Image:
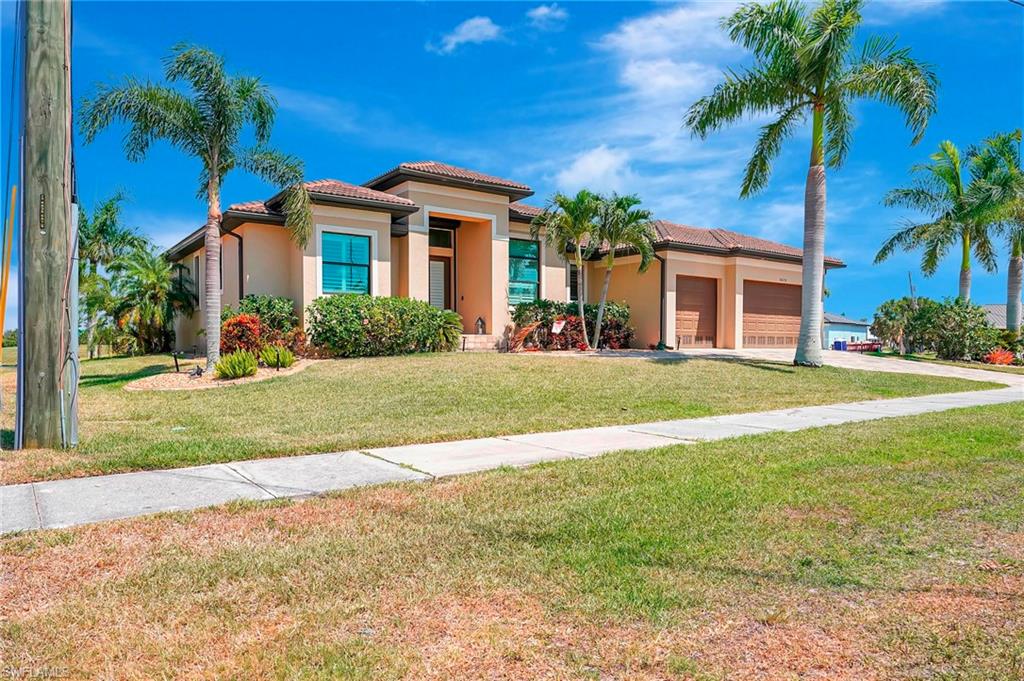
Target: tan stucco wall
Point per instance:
(628, 286)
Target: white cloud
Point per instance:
(679, 30)
(666, 79)
(323, 110)
(471, 31)
(547, 17)
(600, 169)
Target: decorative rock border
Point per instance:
(182, 380)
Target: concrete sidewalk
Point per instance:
(64, 503)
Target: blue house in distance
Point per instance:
(836, 327)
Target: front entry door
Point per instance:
(441, 282)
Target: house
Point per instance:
(836, 327)
(995, 315)
(460, 239)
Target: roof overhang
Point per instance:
(229, 221)
(665, 246)
(400, 175)
(397, 210)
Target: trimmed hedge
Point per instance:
(615, 329)
(358, 325)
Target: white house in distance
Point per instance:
(836, 327)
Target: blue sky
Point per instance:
(557, 96)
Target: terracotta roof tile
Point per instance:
(725, 240)
(453, 172)
(355, 191)
(524, 211)
(252, 207)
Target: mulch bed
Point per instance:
(184, 381)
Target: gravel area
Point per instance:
(183, 381)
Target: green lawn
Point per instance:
(930, 357)
(345, 404)
(888, 549)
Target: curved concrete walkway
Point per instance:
(63, 503)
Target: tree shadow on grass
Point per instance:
(763, 365)
(95, 380)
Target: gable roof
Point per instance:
(722, 241)
(996, 315)
(331, 192)
(831, 318)
(443, 173)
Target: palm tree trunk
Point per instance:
(965, 270)
(808, 349)
(1014, 277)
(212, 278)
(579, 295)
(600, 306)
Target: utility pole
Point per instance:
(45, 267)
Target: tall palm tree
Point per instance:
(568, 225)
(102, 239)
(150, 291)
(1005, 186)
(207, 124)
(958, 212)
(805, 65)
(621, 226)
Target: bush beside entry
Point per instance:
(357, 325)
(616, 332)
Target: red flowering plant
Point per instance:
(241, 332)
(999, 356)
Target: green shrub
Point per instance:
(961, 331)
(11, 338)
(615, 329)
(276, 312)
(276, 356)
(236, 365)
(356, 325)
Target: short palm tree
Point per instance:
(150, 290)
(621, 227)
(102, 239)
(568, 225)
(805, 65)
(208, 125)
(959, 212)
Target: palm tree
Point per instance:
(150, 291)
(805, 65)
(102, 239)
(1005, 187)
(621, 226)
(959, 213)
(208, 125)
(568, 225)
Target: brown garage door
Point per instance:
(696, 312)
(771, 314)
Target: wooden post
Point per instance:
(45, 234)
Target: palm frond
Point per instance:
(742, 93)
(769, 143)
(894, 77)
(771, 31)
(838, 130)
(152, 112)
(285, 171)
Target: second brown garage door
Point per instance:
(696, 312)
(771, 314)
